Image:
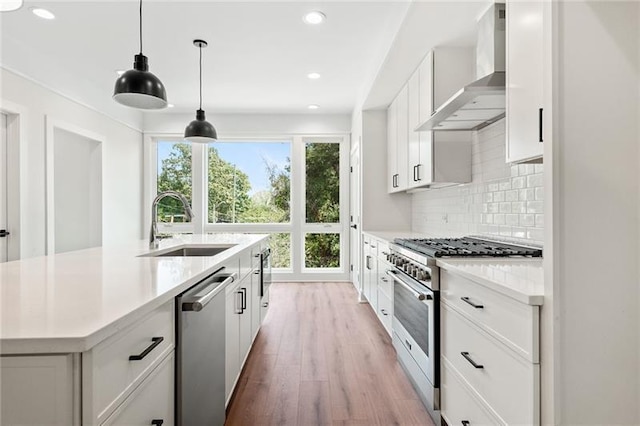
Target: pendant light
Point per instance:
(138, 88)
(200, 130)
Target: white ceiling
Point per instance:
(258, 56)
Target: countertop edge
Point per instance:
(529, 299)
(74, 344)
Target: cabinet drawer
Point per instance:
(383, 249)
(385, 283)
(114, 374)
(373, 247)
(410, 345)
(255, 254)
(507, 382)
(385, 310)
(515, 324)
(458, 404)
(152, 400)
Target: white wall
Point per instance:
(501, 201)
(252, 124)
(122, 153)
(596, 205)
(78, 191)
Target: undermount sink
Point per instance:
(191, 251)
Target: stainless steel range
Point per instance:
(416, 308)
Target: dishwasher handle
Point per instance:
(198, 304)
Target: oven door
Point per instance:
(415, 310)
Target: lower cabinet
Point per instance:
(38, 390)
(243, 317)
(377, 288)
(151, 403)
(490, 355)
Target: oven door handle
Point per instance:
(421, 296)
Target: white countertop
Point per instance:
(69, 302)
(521, 279)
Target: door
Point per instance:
(354, 212)
(3, 188)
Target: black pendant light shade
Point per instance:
(200, 130)
(138, 88)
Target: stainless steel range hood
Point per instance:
(482, 102)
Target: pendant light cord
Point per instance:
(141, 27)
(200, 75)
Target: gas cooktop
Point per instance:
(465, 247)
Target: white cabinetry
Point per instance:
(242, 320)
(490, 355)
(377, 287)
(369, 250)
(397, 141)
(525, 67)
(438, 158)
(152, 403)
(38, 390)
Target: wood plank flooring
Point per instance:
(321, 358)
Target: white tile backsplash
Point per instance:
(501, 201)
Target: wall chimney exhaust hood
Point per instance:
(482, 102)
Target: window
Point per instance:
(249, 182)
(288, 187)
(322, 245)
(173, 173)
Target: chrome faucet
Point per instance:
(153, 238)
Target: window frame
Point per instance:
(297, 226)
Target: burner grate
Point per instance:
(465, 247)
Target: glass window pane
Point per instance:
(174, 173)
(249, 182)
(322, 166)
(280, 245)
(322, 251)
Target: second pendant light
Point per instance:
(200, 130)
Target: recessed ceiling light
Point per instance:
(120, 72)
(170, 105)
(313, 76)
(42, 13)
(313, 107)
(314, 18)
(9, 5)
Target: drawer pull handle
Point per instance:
(156, 341)
(408, 344)
(472, 362)
(466, 300)
(384, 312)
(465, 422)
(157, 422)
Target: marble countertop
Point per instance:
(521, 279)
(69, 302)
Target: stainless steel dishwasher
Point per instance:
(200, 352)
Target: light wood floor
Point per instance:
(321, 358)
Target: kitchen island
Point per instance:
(72, 325)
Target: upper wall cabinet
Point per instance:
(434, 158)
(397, 141)
(525, 92)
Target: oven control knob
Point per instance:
(416, 273)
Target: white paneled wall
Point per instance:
(501, 201)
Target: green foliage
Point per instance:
(322, 251)
(230, 202)
(175, 175)
(228, 190)
(323, 182)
